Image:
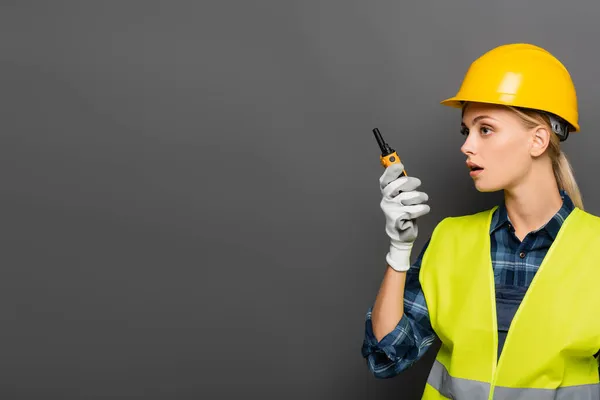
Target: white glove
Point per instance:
(401, 204)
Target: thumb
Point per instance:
(390, 174)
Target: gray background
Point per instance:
(190, 202)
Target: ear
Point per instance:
(540, 139)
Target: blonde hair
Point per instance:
(563, 172)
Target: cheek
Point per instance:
(508, 158)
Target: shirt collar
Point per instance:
(500, 217)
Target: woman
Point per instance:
(531, 263)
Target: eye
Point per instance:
(485, 130)
(464, 130)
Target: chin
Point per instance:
(484, 187)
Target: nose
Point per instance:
(468, 147)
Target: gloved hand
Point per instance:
(402, 205)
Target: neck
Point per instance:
(532, 203)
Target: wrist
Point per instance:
(398, 256)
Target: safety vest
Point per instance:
(550, 346)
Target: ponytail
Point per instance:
(566, 179)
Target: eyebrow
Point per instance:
(478, 118)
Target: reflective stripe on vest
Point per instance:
(458, 388)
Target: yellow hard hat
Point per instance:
(520, 75)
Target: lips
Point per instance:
(474, 167)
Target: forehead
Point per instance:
(473, 110)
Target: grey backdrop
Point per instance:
(190, 202)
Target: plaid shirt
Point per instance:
(514, 263)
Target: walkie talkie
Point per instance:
(388, 155)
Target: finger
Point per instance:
(402, 184)
(390, 174)
(412, 197)
(414, 211)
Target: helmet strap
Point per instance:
(559, 127)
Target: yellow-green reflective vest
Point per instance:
(550, 346)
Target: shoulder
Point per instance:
(583, 227)
(458, 226)
(482, 216)
(587, 214)
(586, 217)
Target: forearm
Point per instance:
(403, 332)
(389, 303)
